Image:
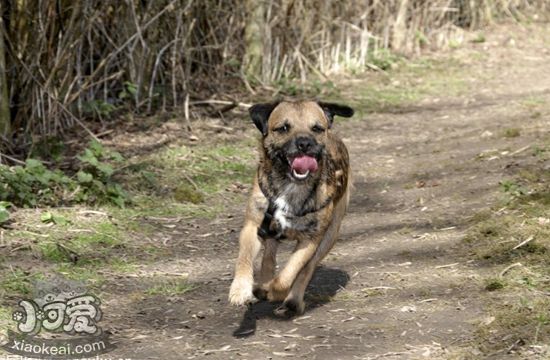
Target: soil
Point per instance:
(398, 284)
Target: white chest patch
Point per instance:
(282, 212)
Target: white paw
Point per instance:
(240, 292)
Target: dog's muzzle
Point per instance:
(302, 157)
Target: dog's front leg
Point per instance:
(240, 292)
(277, 289)
(310, 233)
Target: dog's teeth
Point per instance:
(300, 176)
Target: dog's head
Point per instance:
(295, 134)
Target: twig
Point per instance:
(154, 74)
(312, 67)
(12, 159)
(379, 288)
(519, 150)
(446, 266)
(186, 113)
(220, 102)
(188, 178)
(105, 60)
(388, 354)
(523, 242)
(508, 268)
(219, 127)
(226, 108)
(514, 345)
(53, 98)
(94, 212)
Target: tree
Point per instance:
(253, 38)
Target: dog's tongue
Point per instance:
(303, 164)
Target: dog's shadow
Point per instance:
(324, 284)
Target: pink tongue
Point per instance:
(303, 164)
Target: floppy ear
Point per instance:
(260, 114)
(331, 110)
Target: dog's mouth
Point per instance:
(302, 165)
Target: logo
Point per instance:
(67, 317)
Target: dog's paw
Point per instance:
(240, 292)
(260, 293)
(290, 308)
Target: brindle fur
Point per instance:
(308, 211)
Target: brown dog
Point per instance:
(300, 192)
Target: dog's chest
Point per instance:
(292, 202)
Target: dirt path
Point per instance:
(398, 285)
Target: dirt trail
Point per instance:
(398, 284)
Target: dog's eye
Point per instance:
(282, 129)
(318, 129)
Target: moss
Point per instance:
(511, 133)
(187, 193)
(494, 284)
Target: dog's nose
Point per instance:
(304, 143)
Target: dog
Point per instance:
(301, 192)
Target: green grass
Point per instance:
(123, 266)
(15, 282)
(190, 175)
(174, 182)
(533, 102)
(96, 241)
(171, 288)
(5, 320)
(87, 273)
(406, 84)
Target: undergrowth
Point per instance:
(34, 185)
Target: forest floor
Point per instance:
(450, 155)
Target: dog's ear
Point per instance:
(331, 110)
(260, 114)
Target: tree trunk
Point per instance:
(399, 38)
(253, 38)
(5, 120)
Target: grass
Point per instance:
(96, 241)
(171, 288)
(185, 181)
(533, 102)
(87, 273)
(408, 83)
(5, 321)
(522, 273)
(178, 181)
(16, 282)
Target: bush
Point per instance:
(35, 185)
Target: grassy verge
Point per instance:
(176, 183)
(396, 85)
(514, 241)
